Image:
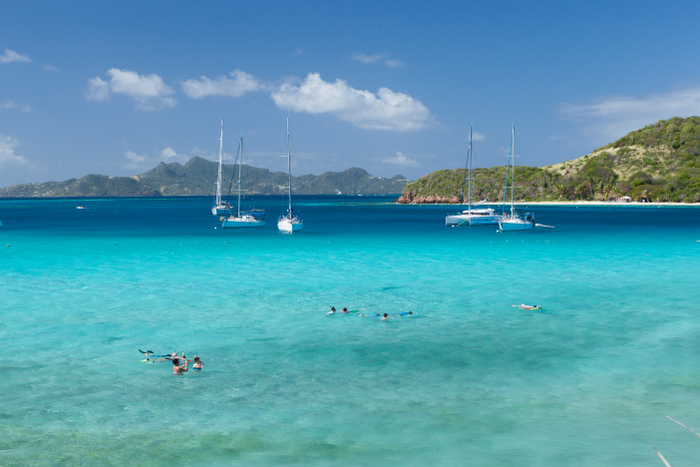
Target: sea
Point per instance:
(467, 379)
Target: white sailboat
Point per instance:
(251, 218)
(289, 222)
(220, 207)
(471, 216)
(516, 220)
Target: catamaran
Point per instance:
(471, 216)
(289, 222)
(251, 218)
(517, 220)
(220, 207)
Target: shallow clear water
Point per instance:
(466, 380)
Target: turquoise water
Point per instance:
(466, 380)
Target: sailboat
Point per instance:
(252, 218)
(220, 207)
(516, 220)
(471, 216)
(289, 222)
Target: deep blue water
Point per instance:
(466, 380)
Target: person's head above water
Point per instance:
(176, 361)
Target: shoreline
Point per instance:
(567, 203)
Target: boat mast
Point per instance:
(240, 162)
(289, 169)
(470, 167)
(505, 189)
(221, 152)
(512, 175)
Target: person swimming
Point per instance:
(385, 317)
(197, 365)
(345, 310)
(332, 311)
(404, 313)
(177, 369)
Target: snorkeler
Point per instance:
(332, 311)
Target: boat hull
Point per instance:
(515, 225)
(475, 217)
(287, 225)
(239, 223)
(221, 210)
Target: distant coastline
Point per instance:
(571, 203)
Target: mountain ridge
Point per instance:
(197, 178)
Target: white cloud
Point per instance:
(478, 136)
(9, 105)
(394, 63)
(135, 161)
(7, 153)
(148, 92)
(168, 155)
(612, 118)
(385, 110)
(11, 56)
(49, 67)
(368, 58)
(240, 84)
(401, 160)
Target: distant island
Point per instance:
(659, 163)
(197, 178)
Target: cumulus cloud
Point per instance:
(9, 105)
(147, 92)
(239, 84)
(610, 119)
(385, 110)
(401, 160)
(8, 155)
(11, 56)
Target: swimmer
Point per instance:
(345, 310)
(385, 317)
(177, 369)
(197, 363)
(404, 313)
(332, 311)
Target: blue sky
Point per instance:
(114, 88)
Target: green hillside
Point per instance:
(198, 177)
(660, 162)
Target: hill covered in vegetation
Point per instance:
(198, 177)
(659, 163)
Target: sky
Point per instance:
(115, 88)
